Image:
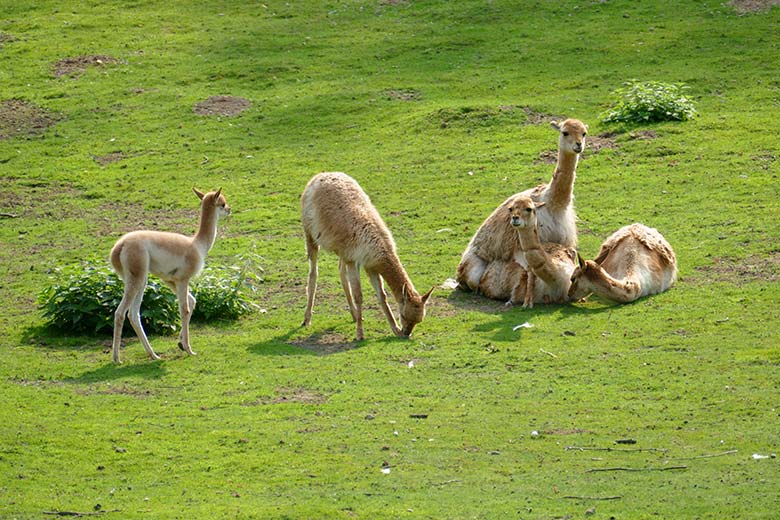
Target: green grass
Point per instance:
(274, 421)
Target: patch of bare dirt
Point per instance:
(114, 390)
(20, 118)
(739, 271)
(566, 431)
(537, 118)
(753, 6)
(112, 157)
(594, 144)
(765, 160)
(75, 66)
(6, 38)
(291, 395)
(403, 94)
(117, 218)
(547, 157)
(227, 106)
(325, 343)
(642, 135)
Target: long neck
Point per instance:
(603, 284)
(535, 256)
(561, 186)
(207, 230)
(395, 276)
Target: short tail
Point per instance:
(115, 259)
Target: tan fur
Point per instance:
(338, 216)
(633, 262)
(172, 257)
(496, 241)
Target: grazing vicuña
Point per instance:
(338, 216)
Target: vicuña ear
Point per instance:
(199, 193)
(580, 260)
(405, 294)
(539, 204)
(555, 125)
(427, 295)
(216, 196)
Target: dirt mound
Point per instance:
(538, 118)
(20, 118)
(753, 6)
(112, 157)
(750, 269)
(76, 65)
(227, 106)
(5, 38)
(403, 94)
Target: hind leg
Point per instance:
(131, 293)
(344, 275)
(353, 274)
(134, 314)
(312, 250)
(470, 271)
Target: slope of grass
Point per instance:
(434, 107)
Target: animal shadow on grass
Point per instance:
(322, 342)
(112, 371)
(507, 318)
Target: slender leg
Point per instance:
(520, 290)
(379, 287)
(353, 273)
(312, 250)
(343, 273)
(186, 305)
(528, 301)
(134, 290)
(135, 319)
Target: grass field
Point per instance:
(440, 110)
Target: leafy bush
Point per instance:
(649, 101)
(83, 298)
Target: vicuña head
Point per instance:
(572, 135)
(522, 212)
(581, 278)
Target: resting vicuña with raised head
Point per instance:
(338, 216)
(496, 240)
(172, 257)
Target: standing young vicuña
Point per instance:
(172, 257)
(496, 240)
(635, 261)
(338, 216)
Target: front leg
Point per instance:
(520, 289)
(528, 301)
(186, 306)
(376, 282)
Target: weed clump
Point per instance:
(83, 297)
(649, 102)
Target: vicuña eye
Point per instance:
(565, 134)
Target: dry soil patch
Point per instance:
(75, 66)
(21, 118)
(227, 106)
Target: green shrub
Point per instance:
(83, 297)
(649, 101)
